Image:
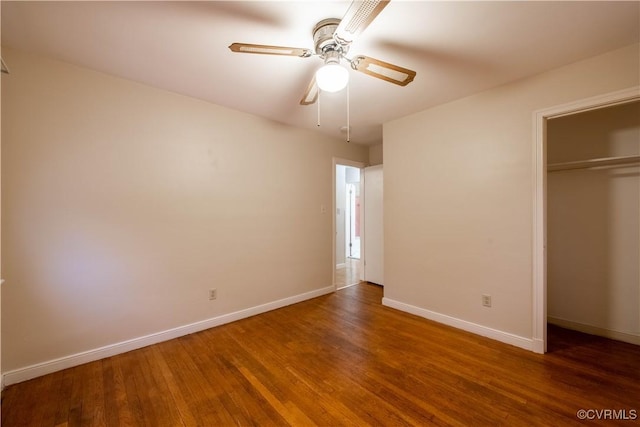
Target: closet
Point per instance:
(593, 222)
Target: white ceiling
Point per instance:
(457, 49)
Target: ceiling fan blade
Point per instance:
(358, 17)
(383, 70)
(270, 50)
(311, 94)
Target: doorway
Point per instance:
(352, 216)
(348, 202)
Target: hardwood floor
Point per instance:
(341, 359)
(349, 274)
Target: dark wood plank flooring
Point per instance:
(341, 359)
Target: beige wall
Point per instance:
(123, 204)
(1, 78)
(375, 155)
(593, 242)
(459, 195)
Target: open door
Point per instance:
(373, 226)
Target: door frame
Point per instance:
(344, 162)
(540, 117)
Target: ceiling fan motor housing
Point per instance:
(324, 42)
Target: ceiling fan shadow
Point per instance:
(436, 58)
(238, 11)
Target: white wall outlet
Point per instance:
(213, 293)
(486, 300)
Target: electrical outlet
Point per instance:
(213, 293)
(486, 300)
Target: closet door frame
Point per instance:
(540, 118)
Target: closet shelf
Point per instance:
(592, 163)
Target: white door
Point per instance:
(373, 226)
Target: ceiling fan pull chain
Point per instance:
(348, 117)
(319, 92)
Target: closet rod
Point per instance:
(585, 164)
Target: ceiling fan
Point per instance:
(332, 39)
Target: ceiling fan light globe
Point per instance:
(332, 78)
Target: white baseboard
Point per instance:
(44, 368)
(594, 330)
(538, 346)
(505, 337)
